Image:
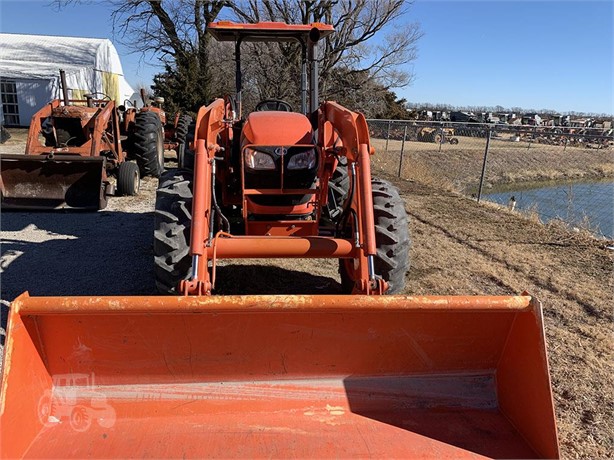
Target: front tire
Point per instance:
(391, 236)
(173, 224)
(128, 179)
(181, 134)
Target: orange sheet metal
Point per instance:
(268, 303)
(271, 246)
(276, 376)
(66, 181)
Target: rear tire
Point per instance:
(391, 236)
(173, 224)
(183, 124)
(128, 179)
(148, 144)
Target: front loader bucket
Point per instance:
(65, 181)
(276, 376)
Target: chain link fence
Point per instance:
(554, 172)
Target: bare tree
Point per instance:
(352, 46)
(371, 43)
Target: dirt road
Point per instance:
(459, 247)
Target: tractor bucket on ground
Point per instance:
(40, 182)
(277, 376)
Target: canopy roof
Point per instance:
(266, 31)
(41, 56)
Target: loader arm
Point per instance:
(353, 134)
(213, 127)
(210, 123)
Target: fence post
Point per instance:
(402, 150)
(532, 137)
(484, 165)
(388, 136)
(565, 141)
(441, 138)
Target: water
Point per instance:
(586, 204)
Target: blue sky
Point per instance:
(532, 54)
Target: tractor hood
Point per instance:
(277, 128)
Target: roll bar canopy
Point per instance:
(228, 31)
(307, 35)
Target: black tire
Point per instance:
(185, 156)
(454, 141)
(173, 224)
(128, 179)
(183, 124)
(392, 238)
(181, 133)
(181, 156)
(148, 144)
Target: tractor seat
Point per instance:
(273, 105)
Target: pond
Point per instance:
(580, 204)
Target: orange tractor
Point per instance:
(310, 376)
(73, 148)
(148, 134)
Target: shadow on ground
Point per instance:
(68, 253)
(267, 279)
(111, 253)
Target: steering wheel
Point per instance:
(273, 105)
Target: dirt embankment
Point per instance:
(459, 247)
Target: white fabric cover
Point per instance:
(40, 57)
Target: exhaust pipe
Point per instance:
(64, 87)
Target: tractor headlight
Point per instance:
(303, 160)
(255, 159)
